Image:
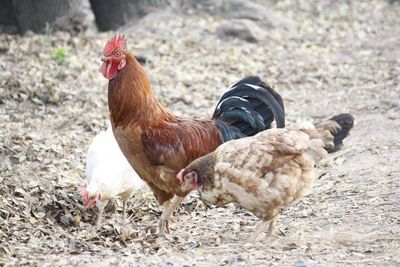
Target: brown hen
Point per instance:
(268, 171)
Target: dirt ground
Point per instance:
(334, 57)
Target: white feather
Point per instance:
(107, 170)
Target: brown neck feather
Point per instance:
(130, 97)
(204, 167)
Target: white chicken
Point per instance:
(108, 174)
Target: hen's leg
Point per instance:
(261, 228)
(272, 226)
(169, 208)
(124, 208)
(101, 204)
(125, 199)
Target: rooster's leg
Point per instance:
(169, 208)
(261, 228)
(163, 226)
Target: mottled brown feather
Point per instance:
(263, 173)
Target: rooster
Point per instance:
(266, 172)
(108, 174)
(157, 143)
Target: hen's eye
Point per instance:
(118, 54)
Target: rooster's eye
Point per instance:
(118, 54)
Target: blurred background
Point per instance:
(74, 16)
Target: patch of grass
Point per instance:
(60, 55)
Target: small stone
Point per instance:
(243, 29)
(301, 263)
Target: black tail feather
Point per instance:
(346, 122)
(249, 106)
(236, 115)
(228, 132)
(264, 96)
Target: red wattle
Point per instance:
(104, 69)
(109, 70)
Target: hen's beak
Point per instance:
(104, 59)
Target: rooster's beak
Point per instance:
(104, 59)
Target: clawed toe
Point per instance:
(163, 227)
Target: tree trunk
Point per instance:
(112, 14)
(37, 15)
(8, 23)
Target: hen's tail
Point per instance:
(334, 130)
(248, 107)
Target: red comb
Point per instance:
(113, 43)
